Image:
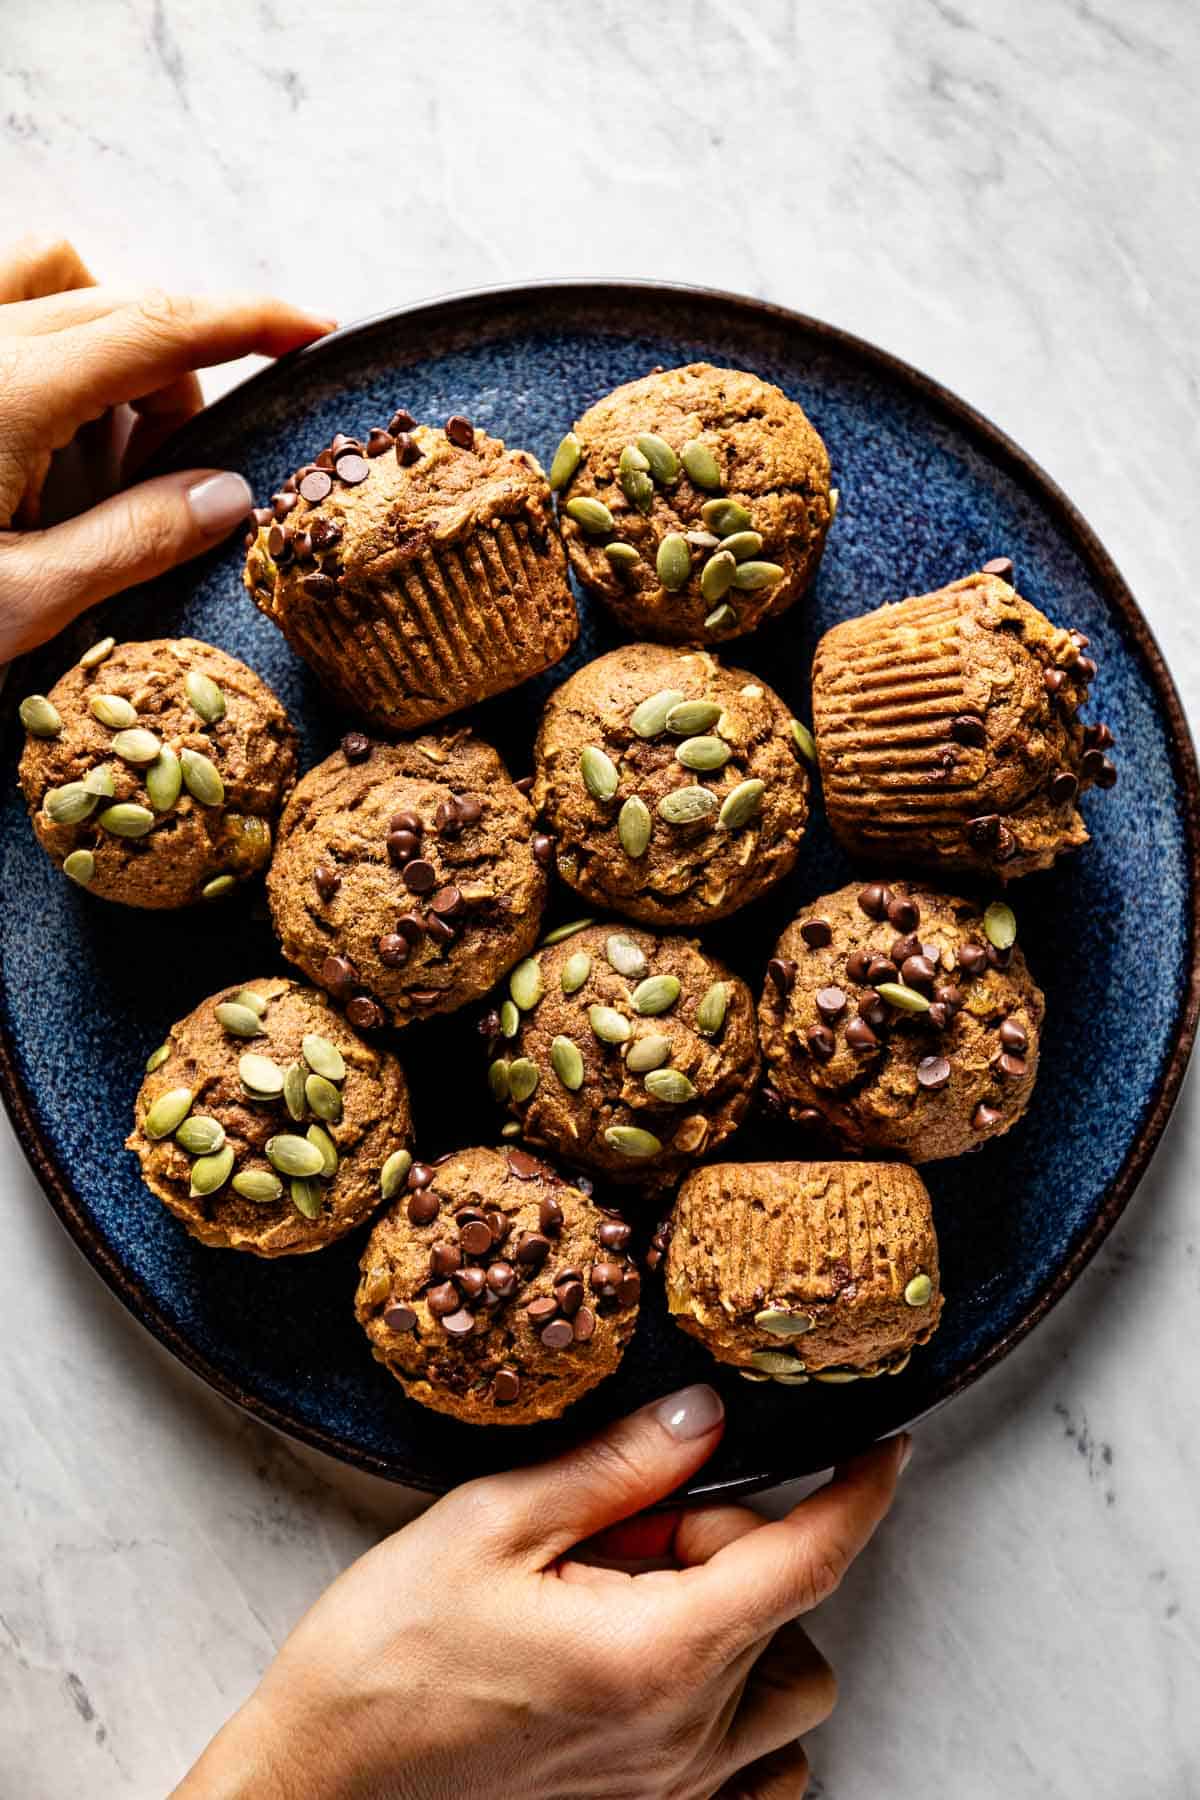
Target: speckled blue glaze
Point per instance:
(89, 989)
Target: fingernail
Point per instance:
(905, 1454)
(219, 502)
(691, 1412)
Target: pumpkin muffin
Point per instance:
(694, 502)
(949, 734)
(798, 1272)
(674, 787)
(266, 1125)
(153, 772)
(408, 877)
(417, 570)
(902, 1021)
(495, 1291)
(629, 1054)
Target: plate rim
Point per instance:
(1035, 482)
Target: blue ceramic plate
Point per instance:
(929, 491)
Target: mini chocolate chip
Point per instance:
(1054, 680)
(423, 1206)
(446, 820)
(550, 1215)
(343, 441)
(565, 1275)
(475, 1238)
(420, 877)
(442, 1299)
(1014, 1036)
(1006, 845)
(570, 1297)
(409, 926)
(302, 544)
(808, 1118)
(279, 543)
(408, 450)
(317, 484)
(1001, 566)
(872, 1009)
(319, 587)
(1009, 1067)
(402, 846)
(542, 1310)
(968, 730)
(782, 973)
(831, 1003)
(364, 1013)
(398, 1317)
(1063, 787)
(470, 808)
(324, 460)
(999, 959)
(543, 849)
(933, 1072)
(471, 1284)
(401, 420)
(881, 968)
(558, 1334)
(629, 1288)
(502, 1279)
(532, 1248)
(525, 785)
(262, 515)
(444, 1257)
(1107, 776)
(614, 1234)
(946, 994)
(604, 1277)
(859, 1035)
(972, 958)
(817, 933)
(448, 903)
(283, 504)
(379, 441)
(441, 930)
(903, 913)
(983, 830)
(939, 1015)
(356, 746)
(584, 1324)
(857, 964)
(460, 431)
(821, 1042)
(324, 533)
(904, 947)
(985, 1116)
(1086, 668)
(459, 1324)
(506, 1386)
(524, 1166)
(406, 821)
(917, 972)
(1097, 737)
(875, 900)
(338, 974)
(327, 881)
(352, 469)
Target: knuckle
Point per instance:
(480, 1512)
(822, 1574)
(822, 1688)
(166, 314)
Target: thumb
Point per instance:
(541, 1512)
(47, 577)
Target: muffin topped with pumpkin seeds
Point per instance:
(266, 1124)
(674, 788)
(798, 1272)
(624, 1052)
(694, 502)
(153, 772)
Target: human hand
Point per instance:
(472, 1655)
(73, 357)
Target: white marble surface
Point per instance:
(1005, 195)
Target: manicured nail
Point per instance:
(692, 1412)
(220, 502)
(905, 1454)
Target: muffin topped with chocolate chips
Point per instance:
(408, 877)
(694, 502)
(267, 1125)
(417, 570)
(153, 772)
(674, 787)
(629, 1054)
(799, 1272)
(901, 1020)
(949, 734)
(496, 1291)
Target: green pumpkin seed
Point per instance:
(157, 1058)
(752, 575)
(1000, 925)
(567, 1063)
(323, 1058)
(80, 866)
(40, 717)
(725, 517)
(610, 1026)
(394, 1173)
(200, 1135)
(741, 804)
(752, 1375)
(592, 516)
(905, 999)
(510, 1019)
(294, 1156)
(632, 461)
(98, 653)
(898, 1368)
(687, 805)
(710, 1014)
(662, 460)
(790, 1380)
(202, 778)
(670, 1086)
(693, 716)
(323, 1098)
(261, 1077)
(657, 994)
(295, 1075)
(835, 1377)
(210, 1173)
(242, 1020)
(703, 753)
(649, 719)
(919, 1291)
(249, 997)
(626, 957)
(575, 972)
(137, 746)
(804, 741)
(703, 540)
(126, 820)
(646, 1053)
(510, 1130)
(599, 772)
(638, 489)
(259, 1185)
(168, 1112)
(775, 1362)
(673, 562)
(783, 1324)
(218, 887)
(204, 696)
(498, 1080)
(99, 781)
(621, 556)
(742, 545)
(722, 618)
(834, 499)
(634, 826)
(306, 1197)
(68, 805)
(317, 1134)
(114, 711)
(523, 1077)
(716, 578)
(164, 779)
(631, 1140)
(565, 461)
(561, 932)
(525, 983)
(701, 465)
